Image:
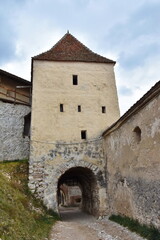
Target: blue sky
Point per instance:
(126, 31)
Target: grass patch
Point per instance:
(22, 216)
(148, 232)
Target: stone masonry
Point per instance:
(46, 171)
(13, 145)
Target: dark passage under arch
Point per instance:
(85, 179)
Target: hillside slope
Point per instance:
(22, 217)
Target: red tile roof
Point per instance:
(68, 48)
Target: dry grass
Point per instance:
(148, 232)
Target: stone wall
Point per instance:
(132, 152)
(85, 160)
(13, 145)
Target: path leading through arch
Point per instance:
(78, 225)
(83, 179)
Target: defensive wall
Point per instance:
(132, 153)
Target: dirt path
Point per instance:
(76, 225)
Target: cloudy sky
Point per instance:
(124, 30)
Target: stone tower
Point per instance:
(74, 100)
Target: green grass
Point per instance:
(22, 216)
(148, 232)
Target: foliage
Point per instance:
(148, 232)
(22, 216)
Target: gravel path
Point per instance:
(76, 225)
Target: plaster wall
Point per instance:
(52, 86)
(13, 145)
(133, 166)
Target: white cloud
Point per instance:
(139, 80)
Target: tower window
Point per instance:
(137, 134)
(103, 109)
(83, 134)
(75, 79)
(79, 108)
(61, 108)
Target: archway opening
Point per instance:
(77, 187)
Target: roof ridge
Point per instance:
(86, 46)
(81, 43)
(52, 46)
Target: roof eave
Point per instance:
(24, 81)
(50, 60)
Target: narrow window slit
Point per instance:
(103, 109)
(75, 79)
(79, 108)
(27, 123)
(61, 108)
(83, 134)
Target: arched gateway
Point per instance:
(87, 176)
(86, 180)
(81, 163)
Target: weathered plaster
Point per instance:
(52, 86)
(133, 166)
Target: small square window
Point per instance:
(83, 134)
(103, 109)
(75, 79)
(61, 108)
(79, 108)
